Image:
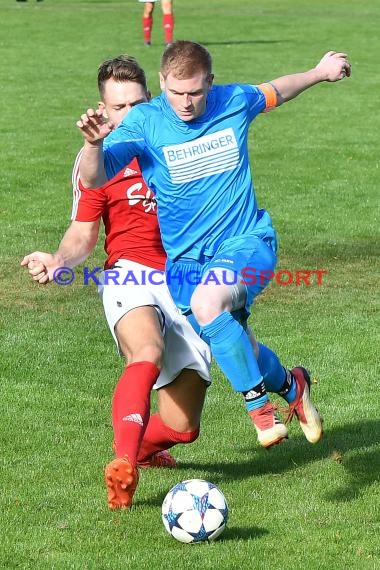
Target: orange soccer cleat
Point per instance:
(121, 479)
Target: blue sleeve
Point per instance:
(255, 100)
(123, 144)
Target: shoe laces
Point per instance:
(289, 411)
(260, 415)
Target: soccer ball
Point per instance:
(195, 511)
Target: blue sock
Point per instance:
(291, 395)
(274, 374)
(232, 350)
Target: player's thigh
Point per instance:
(180, 403)
(251, 260)
(133, 310)
(139, 334)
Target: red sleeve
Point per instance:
(88, 203)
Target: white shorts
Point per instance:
(152, 1)
(130, 285)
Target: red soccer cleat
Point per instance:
(159, 459)
(270, 429)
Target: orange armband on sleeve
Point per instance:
(270, 95)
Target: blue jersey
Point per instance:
(199, 170)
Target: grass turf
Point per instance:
(316, 169)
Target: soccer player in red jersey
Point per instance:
(141, 315)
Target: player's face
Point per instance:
(187, 97)
(120, 97)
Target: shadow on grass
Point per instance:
(243, 533)
(363, 468)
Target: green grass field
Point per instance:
(316, 169)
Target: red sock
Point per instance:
(131, 407)
(168, 23)
(147, 25)
(158, 436)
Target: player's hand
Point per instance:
(93, 126)
(334, 66)
(40, 266)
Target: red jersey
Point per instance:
(128, 210)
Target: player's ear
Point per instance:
(210, 79)
(162, 81)
(102, 108)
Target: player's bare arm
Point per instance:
(333, 66)
(94, 129)
(76, 245)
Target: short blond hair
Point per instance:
(184, 58)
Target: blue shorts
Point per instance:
(251, 259)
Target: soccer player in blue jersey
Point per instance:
(191, 143)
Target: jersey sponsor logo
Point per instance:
(135, 195)
(202, 157)
(136, 418)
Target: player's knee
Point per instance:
(148, 10)
(209, 301)
(150, 351)
(203, 309)
(204, 312)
